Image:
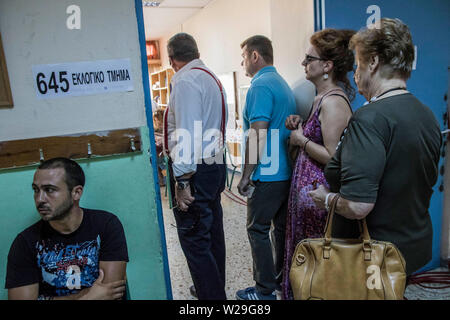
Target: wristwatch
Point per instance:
(182, 185)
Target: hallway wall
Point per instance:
(220, 28)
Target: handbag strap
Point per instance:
(329, 223)
(365, 236)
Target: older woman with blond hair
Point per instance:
(387, 161)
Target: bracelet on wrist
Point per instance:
(304, 146)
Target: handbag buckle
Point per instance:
(326, 252)
(367, 248)
(300, 259)
(326, 248)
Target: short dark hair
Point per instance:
(260, 44)
(74, 175)
(182, 47)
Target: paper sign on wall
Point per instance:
(82, 78)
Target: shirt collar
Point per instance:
(262, 71)
(192, 64)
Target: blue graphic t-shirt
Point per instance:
(65, 264)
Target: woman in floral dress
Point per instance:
(327, 62)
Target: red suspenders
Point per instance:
(166, 135)
(222, 125)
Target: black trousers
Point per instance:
(268, 208)
(200, 232)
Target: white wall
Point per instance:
(221, 27)
(163, 46)
(35, 32)
(292, 26)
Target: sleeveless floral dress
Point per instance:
(304, 219)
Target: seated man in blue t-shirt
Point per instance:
(266, 167)
(72, 253)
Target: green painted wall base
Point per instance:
(123, 185)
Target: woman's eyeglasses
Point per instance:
(309, 59)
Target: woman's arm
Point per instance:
(349, 209)
(334, 118)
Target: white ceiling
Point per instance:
(170, 13)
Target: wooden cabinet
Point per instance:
(160, 86)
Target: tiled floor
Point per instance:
(239, 261)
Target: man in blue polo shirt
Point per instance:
(266, 167)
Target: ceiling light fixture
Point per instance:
(151, 3)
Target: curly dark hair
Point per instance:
(333, 45)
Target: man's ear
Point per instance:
(254, 56)
(173, 63)
(77, 192)
(374, 63)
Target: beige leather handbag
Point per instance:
(347, 269)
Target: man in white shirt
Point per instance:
(194, 137)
